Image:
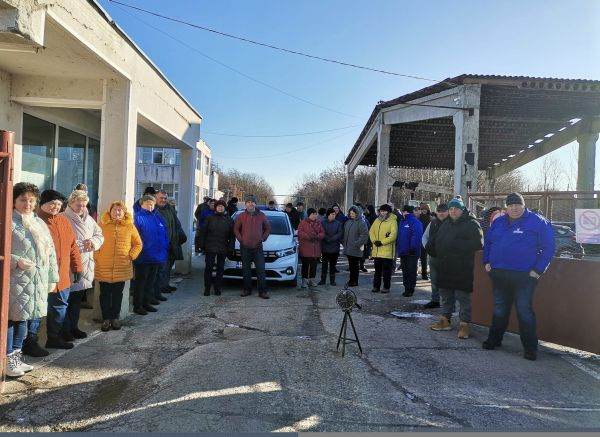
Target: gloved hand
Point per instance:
(76, 277)
(378, 243)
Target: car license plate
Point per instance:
(239, 265)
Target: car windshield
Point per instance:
(279, 224)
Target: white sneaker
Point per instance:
(22, 366)
(12, 366)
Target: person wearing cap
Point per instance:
(333, 232)
(293, 215)
(517, 251)
(408, 248)
(430, 232)
(251, 229)
(69, 262)
(176, 238)
(271, 206)
(454, 245)
(356, 234)
(155, 251)
(216, 242)
(383, 233)
(310, 234)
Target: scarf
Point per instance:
(41, 236)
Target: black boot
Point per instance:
(322, 281)
(32, 348)
(332, 280)
(58, 343)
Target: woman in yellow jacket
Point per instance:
(383, 236)
(122, 244)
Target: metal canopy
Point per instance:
(515, 114)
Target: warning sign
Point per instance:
(587, 226)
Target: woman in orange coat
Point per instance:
(122, 244)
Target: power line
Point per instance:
(284, 153)
(271, 46)
(282, 135)
(260, 82)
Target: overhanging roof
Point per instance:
(515, 113)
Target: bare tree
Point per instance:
(550, 175)
(238, 184)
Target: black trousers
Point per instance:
(354, 262)
(409, 272)
(210, 259)
(329, 263)
(383, 268)
(111, 296)
(423, 258)
(146, 276)
(309, 267)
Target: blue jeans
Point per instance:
(518, 287)
(258, 256)
(33, 327)
(57, 310)
(17, 330)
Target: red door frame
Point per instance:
(6, 190)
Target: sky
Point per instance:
(431, 39)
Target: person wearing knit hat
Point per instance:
(356, 234)
(454, 245)
(216, 242)
(429, 234)
(517, 251)
(310, 235)
(408, 248)
(250, 198)
(177, 237)
(383, 234)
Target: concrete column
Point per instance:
(186, 204)
(383, 164)
(118, 137)
(11, 119)
(349, 190)
(586, 168)
(466, 141)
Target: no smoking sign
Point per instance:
(587, 226)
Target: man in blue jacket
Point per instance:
(518, 249)
(155, 250)
(408, 248)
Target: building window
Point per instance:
(38, 151)
(170, 156)
(157, 156)
(206, 165)
(92, 169)
(144, 155)
(71, 153)
(199, 162)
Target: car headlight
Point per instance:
(286, 252)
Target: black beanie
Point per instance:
(515, 199)
(408, 208)
(310, 211)
(385, 207)
(50, 196)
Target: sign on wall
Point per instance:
(587, 226)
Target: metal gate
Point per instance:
(6, 187)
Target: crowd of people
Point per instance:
(59, 251)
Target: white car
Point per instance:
(280, 249)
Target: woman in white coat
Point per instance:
(89, 239)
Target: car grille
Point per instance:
(270, 256)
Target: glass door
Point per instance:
(70, 166)
(38, 148)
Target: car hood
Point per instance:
(275, 242)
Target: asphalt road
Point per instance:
(245, 364)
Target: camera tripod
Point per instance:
(343, 338)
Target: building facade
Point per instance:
(81, 96)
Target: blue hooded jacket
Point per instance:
(410, 234)
(155, 239)
(524, 245)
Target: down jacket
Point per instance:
(410, 234)
(85, 228)
(356, 235)
(68, 257)
(310, 234)
(386, 232)
(153, 231)
(334, 232)
(218, 236)
(122, 244)
(28, 298)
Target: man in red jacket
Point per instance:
(252, 228)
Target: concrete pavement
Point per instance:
(245, 364)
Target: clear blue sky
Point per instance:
(434, 39)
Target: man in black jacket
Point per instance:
(425, 219)
(216, 242)
(293, 214)
(454, 246)
(429, 234)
